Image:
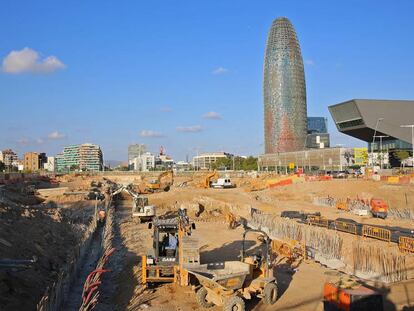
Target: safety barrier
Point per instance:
(345, 227)
(406, 244)
(318, 221)
(376, 233)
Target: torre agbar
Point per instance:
(284, 90)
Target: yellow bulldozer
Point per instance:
(163, 182)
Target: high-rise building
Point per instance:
(284, 90)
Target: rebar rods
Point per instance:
(328, 244)
(387, 264)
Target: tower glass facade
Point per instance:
(284, 90)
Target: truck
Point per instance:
(222, 183)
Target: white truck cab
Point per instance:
(222, 183)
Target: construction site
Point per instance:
(190, 241)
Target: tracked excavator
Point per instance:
(158, 184)
(141, 210)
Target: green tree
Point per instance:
(222, 163)
(2, 166)
(250, 164)
(401, 155)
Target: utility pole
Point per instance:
(412, 139)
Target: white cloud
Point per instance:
(28, 60)
(309, 62)
(39, 141)
(190, 129)
(151, 134)
(212, 115)
(220, 71)
(56, 135)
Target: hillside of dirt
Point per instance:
(29, 230)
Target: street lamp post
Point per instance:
(412, 139)
(373, 140)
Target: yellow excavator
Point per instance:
(207, 179)
(157, 185)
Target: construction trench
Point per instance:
(331, 254)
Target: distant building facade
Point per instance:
(284, 90)
(205, 161)
(144, 162)
(34, 161)
(318, 136)
(84, 157)
(134, 151)
(60, 163)
(10, 160)
(50, 164)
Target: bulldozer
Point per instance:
(157, 185)
(228, 283)
(173, 247)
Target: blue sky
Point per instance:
(149, 71)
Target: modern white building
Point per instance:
(204, 161)
(50, 164)
(144, 162)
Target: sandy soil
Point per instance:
(300, 287)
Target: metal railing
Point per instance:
(376, 233)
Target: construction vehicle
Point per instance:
(378, 208)
(228, 283)
(208, 178)
(157, 185)
(222, 183)
(173, 247)
(141, 210)
(350, 296)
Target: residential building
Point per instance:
(34, 161)
(144, 162)
(204, 161)
(134, 151)
(10, 159)
(60, 163)
(84, 157)
(50, 164)
(284, 90)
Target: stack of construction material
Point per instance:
(384, 264)
(327, 243)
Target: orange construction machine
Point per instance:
(350, 297)
(379, 208)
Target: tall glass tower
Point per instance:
(284, 90)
